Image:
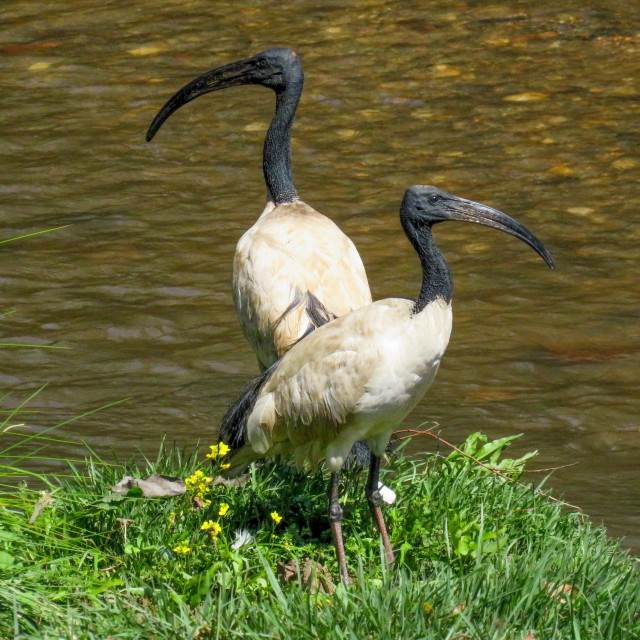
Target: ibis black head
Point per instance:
(278, 69)
(424, 206)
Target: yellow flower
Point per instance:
(172, 517)
(224, 507)
(214, 452)
(218, 450)
(182, 548)
(275, 517)
(198, 484)
(197, 480)
(212, 527)
(428, 609)
(225, 466)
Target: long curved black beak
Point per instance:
(470, 211)
(230, 75)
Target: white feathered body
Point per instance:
(290, 252)
(353, 379)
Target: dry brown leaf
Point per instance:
(198, 503)
(233, 483)
(154, 486)
(315, 576)
(287, 572)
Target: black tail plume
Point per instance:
(358, 458)
(317, 312)
(235, 420)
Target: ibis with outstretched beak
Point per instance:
(357, 377)
(294, 269)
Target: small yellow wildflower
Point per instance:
(218, 450)
(213, 454)
(224, 507)
(225, 466)
(212, 527)
(172, 517)
(198, 482)
(182, 548)
(428, 609)
(275, 517)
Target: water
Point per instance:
(532, 109)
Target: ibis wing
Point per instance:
(318, 385)
(312, 396)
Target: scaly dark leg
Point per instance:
(374, 498)
(335, 518)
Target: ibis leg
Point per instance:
(374, 498)
(335, 518)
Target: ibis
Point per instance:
(294, 269)
(357, 377)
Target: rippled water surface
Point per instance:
(530, 107)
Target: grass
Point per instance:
(477, 556)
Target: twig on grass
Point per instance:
(428, 432)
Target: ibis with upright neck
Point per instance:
(359, 376)
(294, 269)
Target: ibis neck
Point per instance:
(276, 156)
(436, 277)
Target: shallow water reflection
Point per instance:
(532, 110)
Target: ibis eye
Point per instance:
(434, 198)
(262, 63)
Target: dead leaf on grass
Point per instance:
(233, 483)
(315, 576)
(154, 486)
